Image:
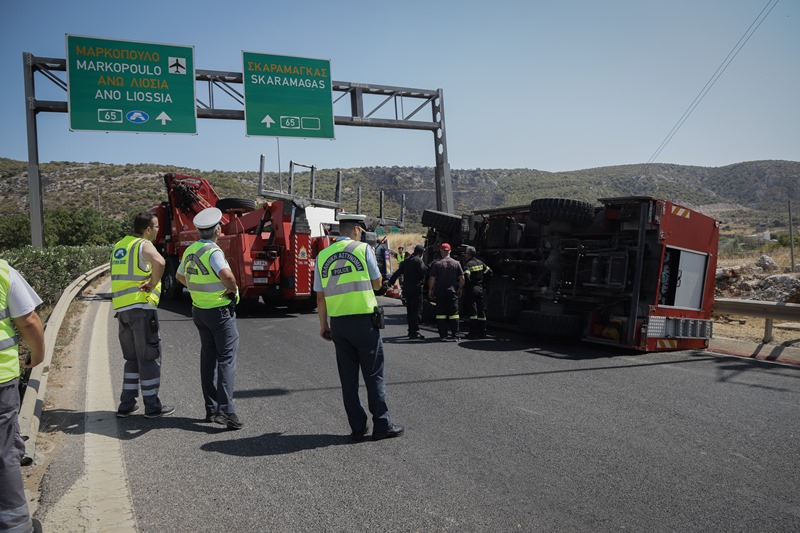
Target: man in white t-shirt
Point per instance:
(18, 302)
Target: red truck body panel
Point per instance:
(269, 246)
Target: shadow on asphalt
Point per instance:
(183, 307)
(74, 423)
(260, 393)
(274, 444)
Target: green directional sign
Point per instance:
(287, 96)
(130, 86)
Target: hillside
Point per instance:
(743, 195)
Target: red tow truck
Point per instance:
(270, 247)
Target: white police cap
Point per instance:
(350, 217)
(347, 217)
(207, 218)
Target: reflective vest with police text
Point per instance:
(345, 279)
(205, 287)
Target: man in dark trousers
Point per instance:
(445, 286)
(346, 279)
(136, 269)
(212, 286)
(18, 302)
(412, 270)
(476, 273)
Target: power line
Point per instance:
(714, 77)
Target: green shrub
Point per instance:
(51, 270)
(63, 226)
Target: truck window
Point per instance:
(682, 278)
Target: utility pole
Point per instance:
(791, 235)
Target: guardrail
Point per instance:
(30, 412)
(755, 308)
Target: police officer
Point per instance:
(344, 279)
(136, 269)
(400, 255)
(18, 303)
(208, 276)
(476, 273)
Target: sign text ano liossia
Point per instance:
(130, 86)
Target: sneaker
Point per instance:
(228, 419)
(165, 410)
(125, 413)
(416, 336)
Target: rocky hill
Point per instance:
(742, 195)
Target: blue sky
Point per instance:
(550, 85)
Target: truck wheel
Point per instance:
(443, 222)
(170, 286)
(576, 212)
(303, 306)
(550, 324)
(226, 204)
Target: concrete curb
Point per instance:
(33, 401)
(763, 352)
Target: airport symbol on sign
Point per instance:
(177, 65)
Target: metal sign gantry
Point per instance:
(223, 81)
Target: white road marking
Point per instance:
(100, 500)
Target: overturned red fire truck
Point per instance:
(635, 272)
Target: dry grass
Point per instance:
(782, 256)
(406, 240)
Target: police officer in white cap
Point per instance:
(208, 276)
(345, 280)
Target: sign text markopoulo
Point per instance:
(130, 86)
(287, 96)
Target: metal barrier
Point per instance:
(759, 309)
(30, 412)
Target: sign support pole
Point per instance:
(34, 179)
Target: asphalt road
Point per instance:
(502, 434)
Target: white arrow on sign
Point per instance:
(268, 121)
(163, 117)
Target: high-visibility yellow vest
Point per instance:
(9, 342)
(204, 285)
(127, 275)
(345, 279)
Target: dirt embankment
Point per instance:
(762, 280)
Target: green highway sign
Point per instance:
(287, 96)
(130, 86)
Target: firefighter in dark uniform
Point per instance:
(346, 279)
(412, 276)
(445, 286)
(476, 273)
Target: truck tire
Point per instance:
(575, 212)
(443, 222)
(171, 288)
(303, 306)
(550, 324)
(226, 204)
